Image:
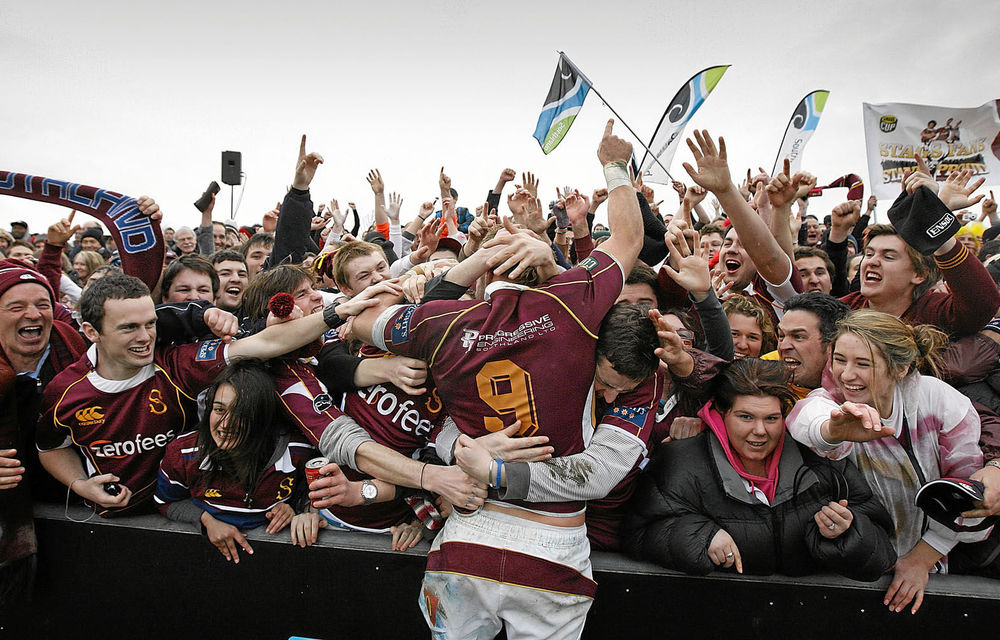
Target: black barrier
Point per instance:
(146, 577)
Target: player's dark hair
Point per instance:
(250, 421)
(284, 278)
(642, 274)
(753, 377)
(828, 309)
(190, 262)
(114, 286)
(628, 339)
(223, 255)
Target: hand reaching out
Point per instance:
(956, 192)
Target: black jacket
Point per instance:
(689, 491)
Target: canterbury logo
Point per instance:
(213, 493)
(90, 414)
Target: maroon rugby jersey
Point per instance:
(123, 426)
(635, 414)
(225, 498)
(308, 405)
(525, 354)
(398, 421)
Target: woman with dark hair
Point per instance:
(740, 495)
(242, 466)
(903, 430)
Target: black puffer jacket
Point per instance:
(689, 491)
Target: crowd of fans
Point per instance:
(759, 390)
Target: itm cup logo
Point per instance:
(887, 124)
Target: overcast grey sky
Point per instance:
(141, 98)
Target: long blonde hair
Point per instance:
(903, 348)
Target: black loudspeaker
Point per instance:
(232, 165)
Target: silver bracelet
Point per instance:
(993, 463)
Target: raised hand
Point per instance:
(693, 196)
(478, 228)
(599, 196)
(534, 219)
(507, 175)
(612, 148)
(60, 232)
(782, 190)
(395, 204)
(872, 202)
(530, 183)
(577, 206)
(843, 217)
(518, 201)
(713, 167)
(337, 218)
(914, 179)
(270, 220)
(149, 208)
(807, 182)
(688, 268)
(989, 207)
(671, 350)
(305, 166)
(444, 182)
(956, 192)
(680, 189)
(374, 178)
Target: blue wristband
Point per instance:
(499, 466)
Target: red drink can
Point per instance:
(313, 467)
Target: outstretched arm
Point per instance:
(713, 174)
(624, 217)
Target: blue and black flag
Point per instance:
(565, 98)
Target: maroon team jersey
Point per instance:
(523, 354)
(123, 426)
(225, 498)
(635, 414)
(308, 405)
(398, 421)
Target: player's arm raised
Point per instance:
(624, 216)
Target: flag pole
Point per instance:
(612, 109)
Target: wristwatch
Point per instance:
(369, 491)
(993, 463)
